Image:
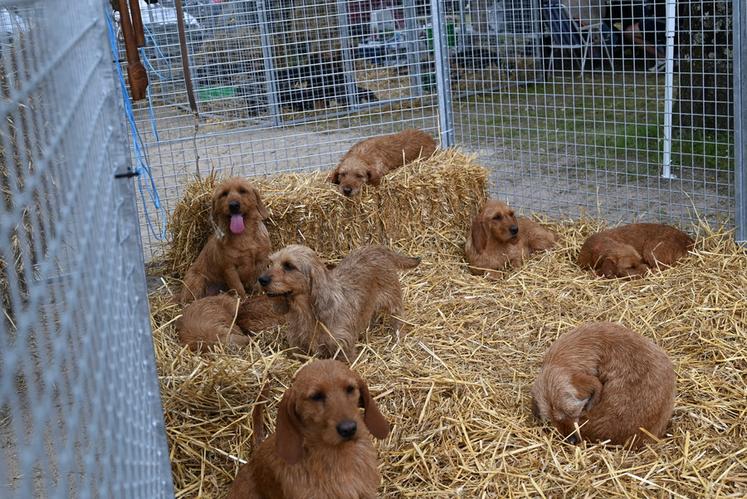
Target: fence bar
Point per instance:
(740, 119)
(269, 63)
(669, 90)
(413, 54)
(347, 56)
(441, 54)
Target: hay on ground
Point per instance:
(415, 209)
(456, 386)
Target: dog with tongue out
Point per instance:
(237, 251)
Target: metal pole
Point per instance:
(669, 90)
(270, 73)
(347, 57)
(413, 54)
(441, 54)
(739, 21)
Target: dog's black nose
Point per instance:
(347, 429)
(514, 230)
(347, 191)
(234, 207)
(264, 280)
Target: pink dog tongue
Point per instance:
(237, 224)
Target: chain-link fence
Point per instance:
(80, 414)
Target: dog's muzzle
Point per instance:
(513, 230)
(234, 207)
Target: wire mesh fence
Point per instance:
(603, 107)
(80, 414)
(621, 109)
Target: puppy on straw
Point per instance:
(321, 448)
(236, 253)
(225, 319)
(602, 381)
(369, 160)
(632, 250)
(329, 309)
(498, 239)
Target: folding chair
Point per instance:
(567, 33)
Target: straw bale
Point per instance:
(415, 208)
(456, 384)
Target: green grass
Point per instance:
(616, 123)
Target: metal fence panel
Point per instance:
(572, 113)
(80, 414)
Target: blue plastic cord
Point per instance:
(146, 187)
(151, 113)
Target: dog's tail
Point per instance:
(404, 262)
(258, 415)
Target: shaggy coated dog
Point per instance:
(631, 250)
(607, 380)
(329, 309)
(369, 160)
(499, 239)
(321, 448)
(236, 253)
(225, 319)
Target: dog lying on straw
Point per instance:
(236, 253)
(631, 250)
(225, 319)
(499, 239)
(321, 448)
(329, 309)
(369, 160)
(602, 381)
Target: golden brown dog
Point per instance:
(369, 160)
(328, 309)
(321, 448)
(225, 319)
(237, 252)
(631, 250)
(609, 381)
(498, 239)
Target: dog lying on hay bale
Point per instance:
(416, 205)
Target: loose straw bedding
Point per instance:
(455, 384)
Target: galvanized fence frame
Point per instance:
(80, 413)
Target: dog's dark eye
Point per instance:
(288, 267)
(242, 190)
(498, 217)
(349, 389)
(224, 194)
(511, 214)
(318, 397)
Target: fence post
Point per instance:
(739, 21)
(270, 73)
(413, 54)
(441, 54)
(347, 59)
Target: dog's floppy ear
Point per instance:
(260, 205)
(288, 439)
(373, 178)
(608, 266)
(314, 270)
(478, 234)
(334, 175)
(588, 391)
(375, 421)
